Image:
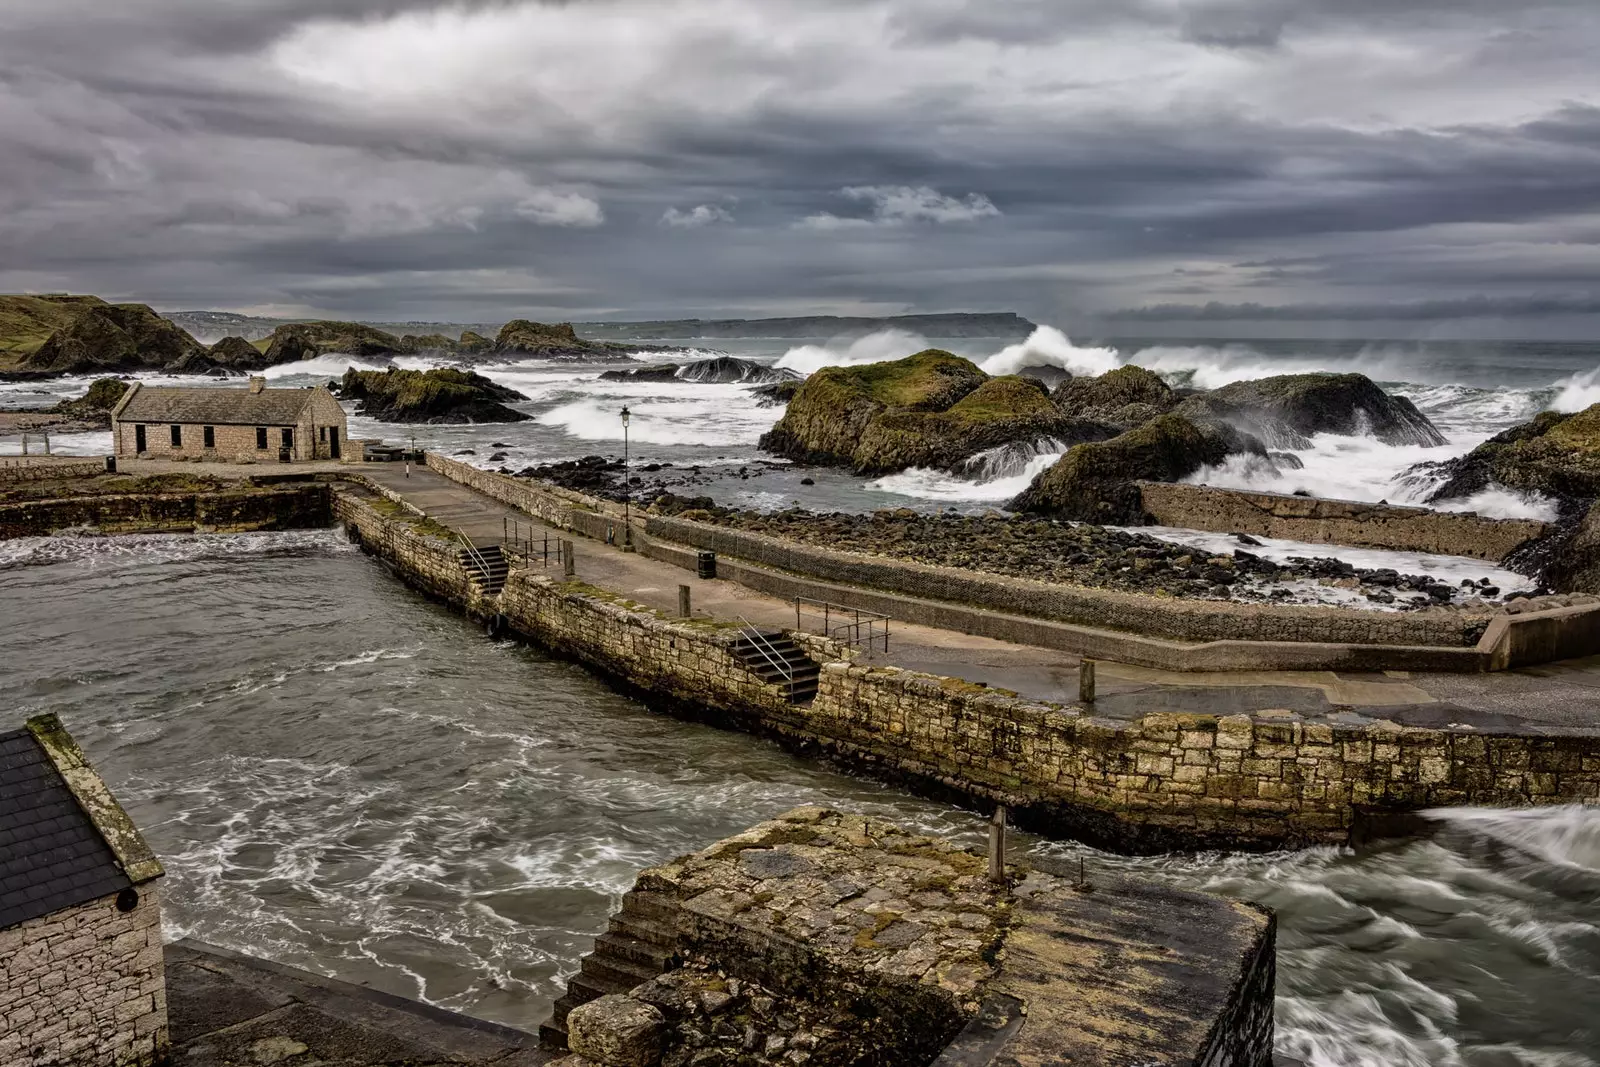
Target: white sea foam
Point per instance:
(1578, 391)
(873, 348)
(93, 443)
(664, 413)
(1050, 347)
(925, 484)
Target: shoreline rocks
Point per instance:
(441, 396)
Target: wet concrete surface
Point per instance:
(225, 1008)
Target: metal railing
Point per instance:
(859, 629)
(769, 652)
(473, 554)
(517, 540)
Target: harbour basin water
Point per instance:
(344, 777)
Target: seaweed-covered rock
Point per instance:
(436, 396)
(112, 337)
(1095, 482)
(308, 340)
(1286, 410)
(1555, 454)
(719, 370)
(1125, 397)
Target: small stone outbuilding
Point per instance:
(81, 972)
(229, 425)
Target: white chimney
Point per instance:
(257, 384)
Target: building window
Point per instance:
(210, 434)
(288, 437)
(177, 436)
(322, 434)
(261, 437)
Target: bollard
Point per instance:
(569, 559)
(1086, 681)
(683, 602)
(997, 846)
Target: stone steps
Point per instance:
(486, 567)
(777, 660)
(640, 945)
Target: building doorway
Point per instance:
(333, 441)
(138, 439)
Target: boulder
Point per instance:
(720, 370)
(104, 336)
(1125, 397)
(308, 340)
(1095, 482)
(436, 396)
(833, 408)
(1555, 454)
(617, 1031)
(1286, 410)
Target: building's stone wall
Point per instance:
(225, 511)
(84, 987)
(239, 444)
(1175, 619)
(1159, 782)
(1336, 522)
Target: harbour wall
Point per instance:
(224, 511)
(1337, 522)
(1159, 632)
(1157, 783)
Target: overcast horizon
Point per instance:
(1418, 168)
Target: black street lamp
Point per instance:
(627, 487)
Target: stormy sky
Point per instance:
(1080, 161)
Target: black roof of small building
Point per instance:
(216, 407)
(51, 854)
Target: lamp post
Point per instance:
(627, 487)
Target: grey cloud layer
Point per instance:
(424, 159)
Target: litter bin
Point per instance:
(708, 564)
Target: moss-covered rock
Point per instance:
(1287, 409)
(833, 409)
(1555, 454)
(1125, 397)
(436, 396)
(474, 343)
(26, 322)
(100, 336)
(431, 342)
(308, 340)
(96, 404)
(1095, 482)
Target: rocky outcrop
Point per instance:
(229, 356)
(308, 340)
(1555, 454)
(1096, 482)
(777, 394)
(719, 370)
(111, 337)
(433, 342)
(474, 344)
(436, 396)
(1125, 397)
(1286, 410)
(1576, 567)
(557, 342)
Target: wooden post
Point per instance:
(683, 602)
(1086, 681)
(569, 559)
(997, 846)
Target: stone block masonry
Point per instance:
(1336, 522)
(85, 986)
(225, 511)
(1158, 783)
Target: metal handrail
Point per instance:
(476, 556)
(769, 652)
(861, 617)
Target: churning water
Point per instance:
(344, 777)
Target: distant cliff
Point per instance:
(958, 324)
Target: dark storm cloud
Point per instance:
(419, 158)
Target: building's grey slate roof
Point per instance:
(51, 855)
(216, 407)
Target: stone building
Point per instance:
(251, 425)
(81, 974)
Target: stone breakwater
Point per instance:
(1157, 783)
(1342, 522)
(1081, 554)
(221, 510)
(825, 938)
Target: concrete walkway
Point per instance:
(1557, 698)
